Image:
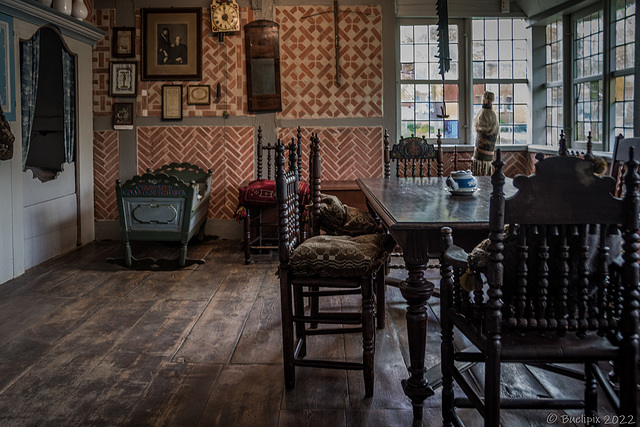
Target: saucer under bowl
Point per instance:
(462, 193)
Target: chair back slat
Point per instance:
(552, 268)
(414, 157)
(287, 199)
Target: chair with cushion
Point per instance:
(330, 216)
(561, 288)
(257, 201)
(322, 265)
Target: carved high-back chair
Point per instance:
(329, 215)
(414, 157)
(562, 287)
(620, 152)
(322, 266)
(258, 201)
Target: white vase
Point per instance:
(63, 6)
(79, 10)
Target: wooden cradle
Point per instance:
(168, 204)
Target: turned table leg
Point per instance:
(416, 290)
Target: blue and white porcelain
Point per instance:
(462, 182)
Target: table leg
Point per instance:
(416, 290)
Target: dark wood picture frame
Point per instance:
(198, 95)
(122, 116)
(171, 102)
(123, 78)
(123, 42)
(262, 46)
(161, 58)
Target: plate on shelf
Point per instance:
(461, 193)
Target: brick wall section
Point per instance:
(105, 173)
(347, 152)
(228, 151)
(307, 61)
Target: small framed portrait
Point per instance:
(122, 115)
(172, 44)
(123, 42)
(123, 78)
(198, 95)
(171, 102)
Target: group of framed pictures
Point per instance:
(171, 46)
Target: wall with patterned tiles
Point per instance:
(309, 91)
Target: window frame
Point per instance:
(506, 81)
(461, 81)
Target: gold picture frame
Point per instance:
(171, 102)
(198, 95)
(172, 44)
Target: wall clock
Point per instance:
(225, 16)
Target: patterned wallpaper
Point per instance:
(307, 60)
(222, 63)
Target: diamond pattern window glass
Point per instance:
(553, 48)
(427, 104)
(500, 51)
(588, 78)
(624, 23)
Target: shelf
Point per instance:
(34, 12)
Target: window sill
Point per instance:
(36, 13)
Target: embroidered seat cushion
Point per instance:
(262, 192)
(337, 218)
(340, 256)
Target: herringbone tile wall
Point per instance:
(347, 152)
(105, 173)
(307, 58)
(228, 151)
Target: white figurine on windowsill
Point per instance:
(487, 128)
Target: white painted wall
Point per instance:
(32, 231)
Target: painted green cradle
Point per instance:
(168, 204)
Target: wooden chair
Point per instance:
(414, 157)
(257, 201)
(555, 292)
(459, 162)
(330, 216)
(320, 266)
(620, 152)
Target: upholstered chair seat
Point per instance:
(340, 256)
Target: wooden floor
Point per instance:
(87, 342)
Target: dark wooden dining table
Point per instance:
(414, 210)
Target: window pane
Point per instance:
(421, 90)
(504, 47)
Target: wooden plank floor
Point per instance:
(88, 342)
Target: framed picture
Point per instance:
(123, 42)
(171, 102)
(172, 44)
(7, 84)
(122, 115)
(123, 78)
(198, 95)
